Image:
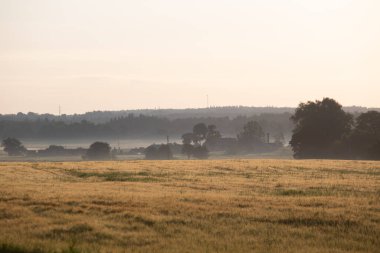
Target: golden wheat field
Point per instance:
(190, 206)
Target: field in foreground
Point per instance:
(190, 206)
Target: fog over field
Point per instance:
(34, 144)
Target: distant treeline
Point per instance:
(137, 126)
(319, 129)
(171, 114)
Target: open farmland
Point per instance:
(190, 206)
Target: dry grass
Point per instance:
(190, 206)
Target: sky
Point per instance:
(120, 54)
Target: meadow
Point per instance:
(190, 206)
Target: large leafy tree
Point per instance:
(365, 140)
(13, 147)
(194, 144)
(319, 127)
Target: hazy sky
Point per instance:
(111, 55)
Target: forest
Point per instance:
(133, 125)
(318, 129)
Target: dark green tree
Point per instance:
(212, 136)
(200, 131)
(187, 138)
(195, 143)
(99, 151)
(13, 147)
(161, 152)
(365, 140)
(320, 129)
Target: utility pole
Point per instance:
(207, 100)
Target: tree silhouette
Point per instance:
(162, 152)
(13, 147)
(251, 136)
(99, 151)
(187, 138)
(319, 126)
(365, 139)
(212, 135)
(194, 144)
(199, 132)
